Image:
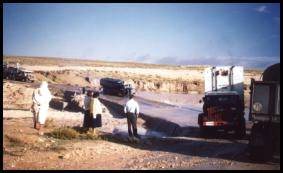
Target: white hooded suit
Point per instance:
(42, 97)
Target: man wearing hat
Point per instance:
(131, 110)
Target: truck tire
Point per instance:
(202, 129)
(200, 119)
(208, 131)
(240, 131)
(260, 152)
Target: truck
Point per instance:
(24, 75)
(264, 112)
(223, 101)
(5, 70)
(18, 74)
(115, 87)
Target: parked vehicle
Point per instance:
(115, 87)
(265, 114)
(25, 75)
(5, 70)
(74, 97)
(223, 106)
(14, 73)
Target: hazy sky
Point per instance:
(183, 34)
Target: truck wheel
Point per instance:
(240, 131)
(200, 119)
(206, 131)
(260, 151)
(203, 131)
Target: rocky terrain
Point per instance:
(108, 147)
(24, 149)
(144, 77)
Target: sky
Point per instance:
(245, 34)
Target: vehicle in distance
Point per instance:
(115, 87)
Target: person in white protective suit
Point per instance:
(41, 99)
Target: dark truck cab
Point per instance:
(264, 112)
(223, 103)
(222, 110)
(25, 75)
(115, 87)
(20, 74)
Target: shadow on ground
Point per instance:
(228, 149)
(114, 109)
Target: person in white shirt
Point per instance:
(18, 66)
(131, 110)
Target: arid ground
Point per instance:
(108, 147)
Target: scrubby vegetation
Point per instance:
(64, 133)
(67, 133)
(49, 123)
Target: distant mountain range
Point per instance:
(250, 62)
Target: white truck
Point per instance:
(223, 106)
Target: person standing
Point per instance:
(96, 110)
(87, 118)
(83, 90)
(35, 107)
(18, 66)
(41, 99)
(131, 110)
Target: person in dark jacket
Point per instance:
(87, 123)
